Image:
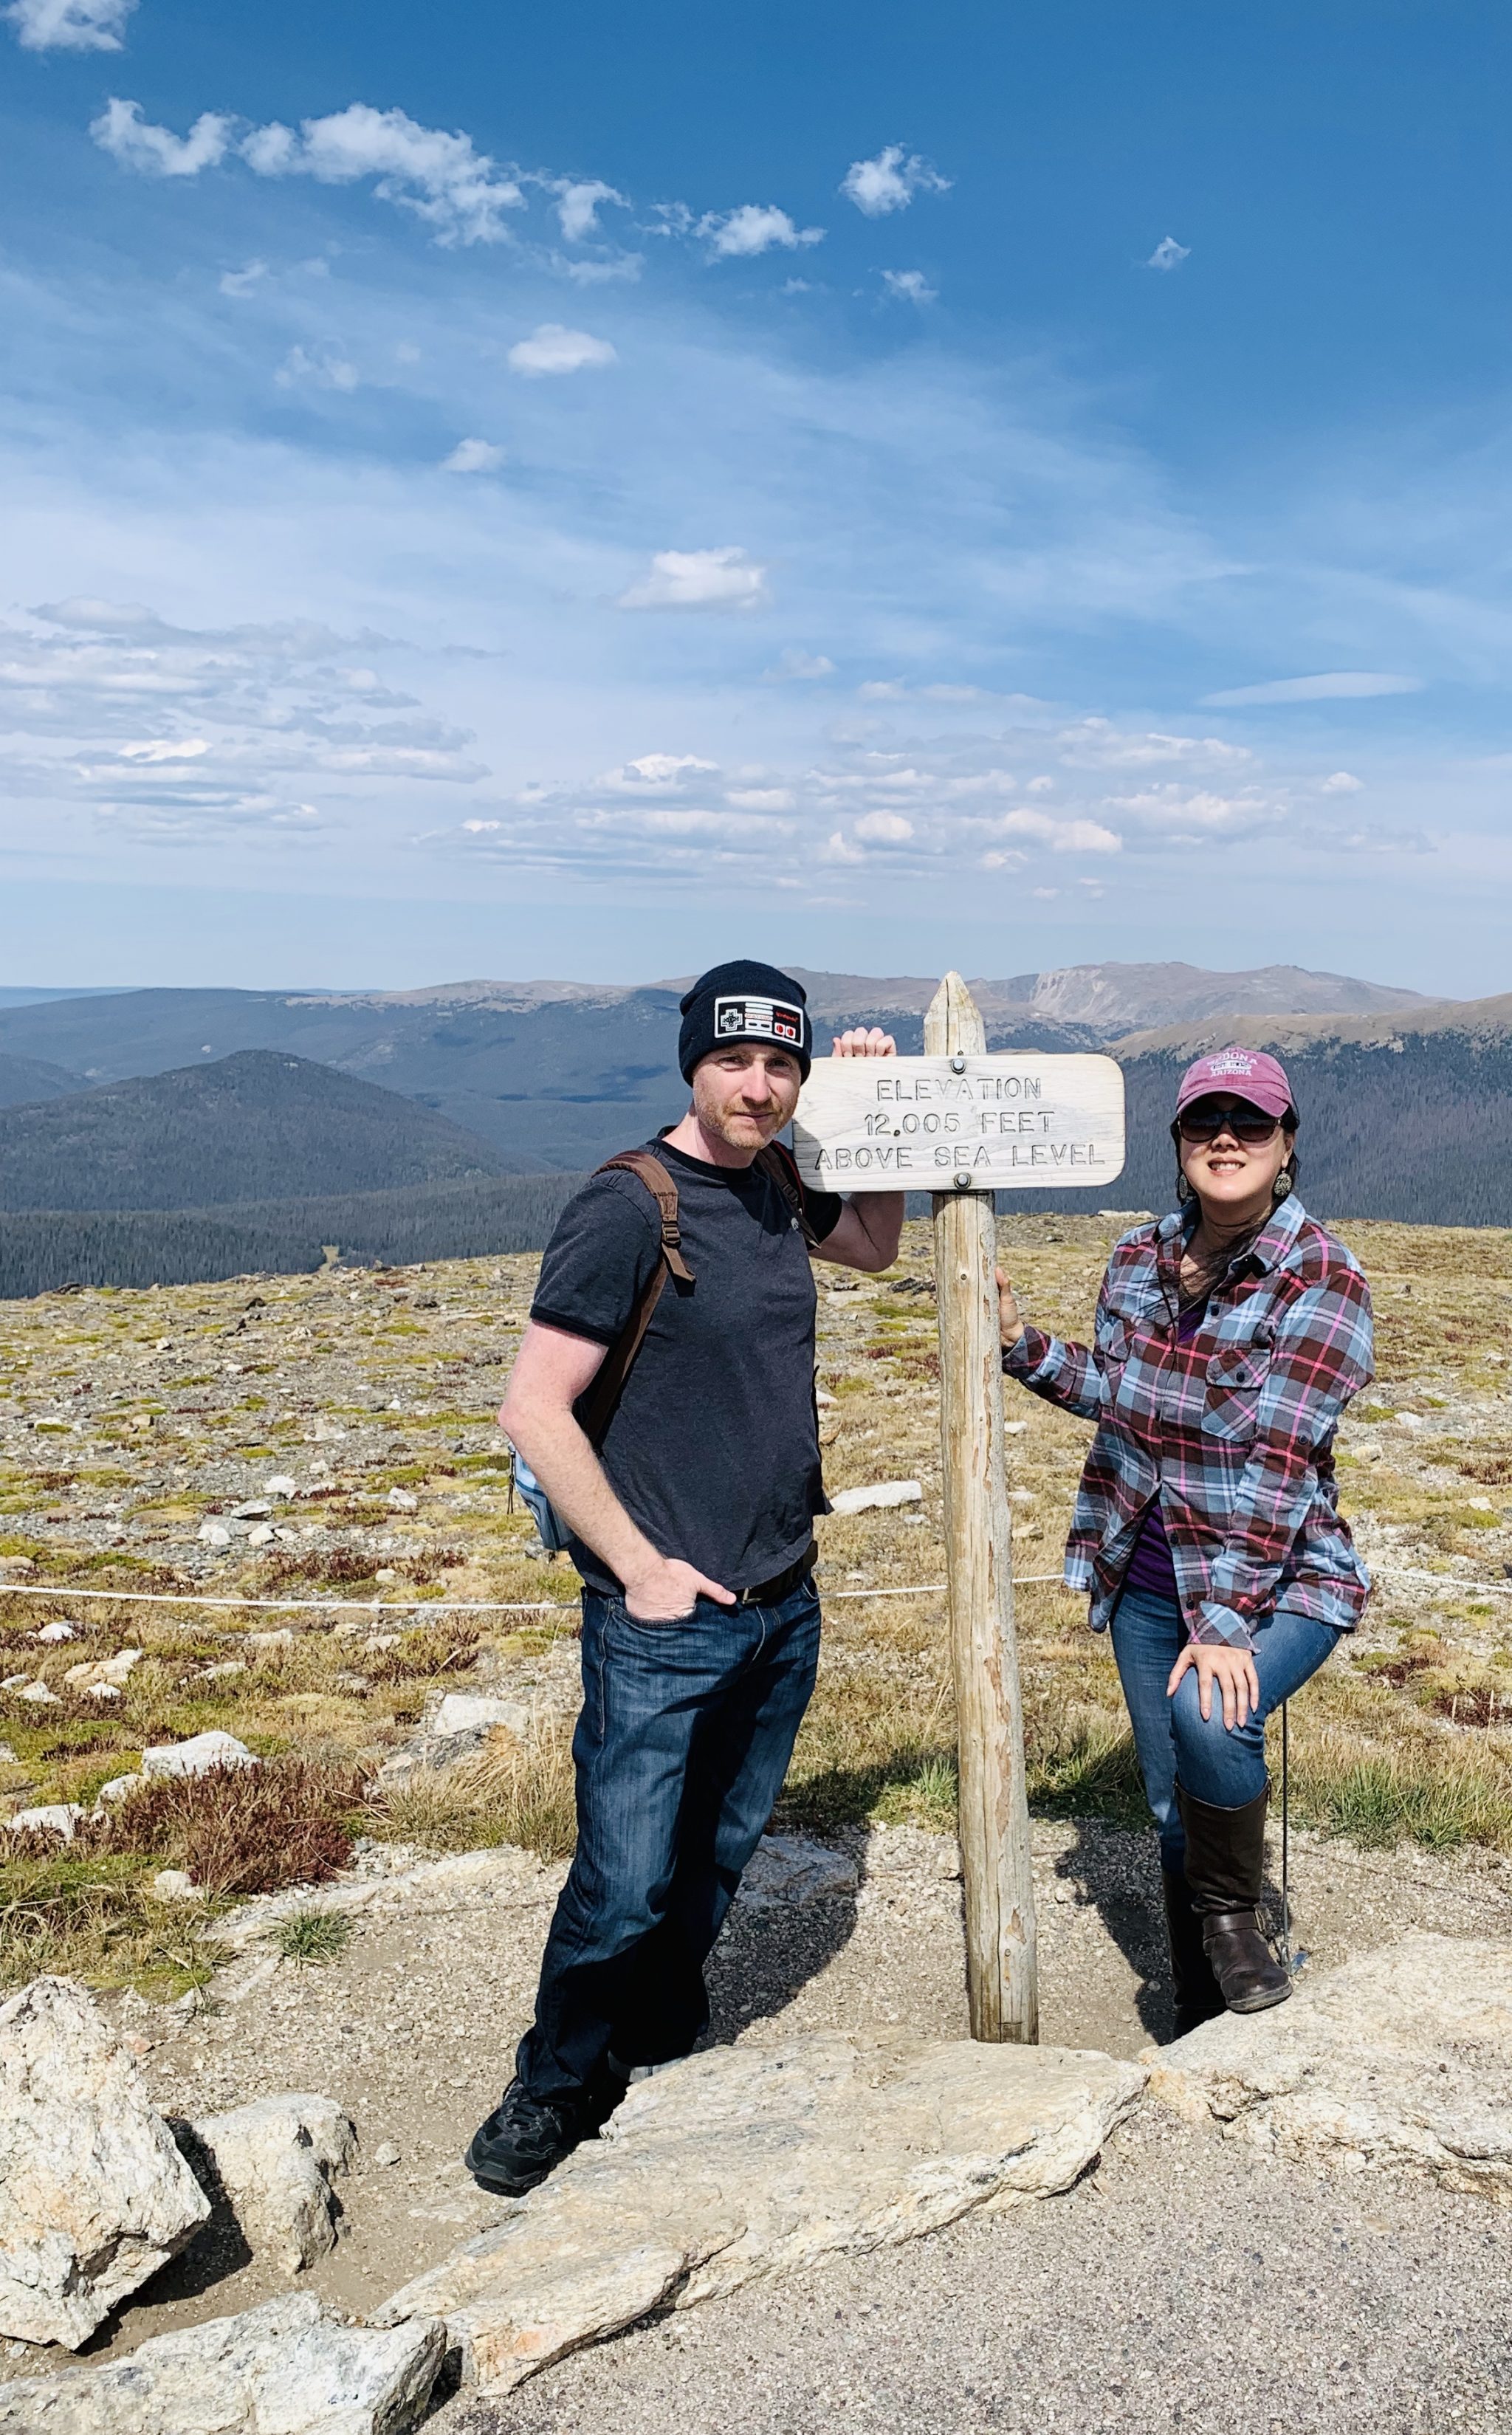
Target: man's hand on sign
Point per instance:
(1011, 1326)
(861, 1043)
(665, 1590)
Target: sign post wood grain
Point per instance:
(1001, 1974)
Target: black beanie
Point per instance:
(745, 1001)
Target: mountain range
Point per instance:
(188, 1132)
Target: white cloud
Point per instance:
(553, 348)
(323, 371)
(655, 772)
(1341, 782)
(885, 828)
(700, 578)
(440, 176)
(1167, 255)
(1061, 837)
(577, 202)
(456, 190)
(751, 229)
(890, 182)
(909, 286)
(474, 456)
(800, 667)
(240, 282)
(1096, 744)
(69, 24)
(1346, 685)
(762, 799)
(122, 132)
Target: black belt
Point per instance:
(773, 1592)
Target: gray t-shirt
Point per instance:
(713, 1450)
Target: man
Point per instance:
(693, 1530)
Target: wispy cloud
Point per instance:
(800, 667)
(700, 578)
(909, 286)
(1344, 684)
(320, 368)
(1168, 255)
(69, 24)
(156, 151)
(474, 456)
(553, 348)
(240, 282)
(889, 181)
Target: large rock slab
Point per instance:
(291, 2367)
(274, 2160)
(94, 2194)
(753, 2159)
(1401, 2056)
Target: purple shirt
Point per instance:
(1150, 1568)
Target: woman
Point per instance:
(1229, 1339)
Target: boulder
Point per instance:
(94, 2194)
(104, 1672)
(291, 2367)
(753, 2159)
(198, 1755)
(50, 1818)
(469, 1711)
(274, 2160)
(791, 1868)
(1403, 2056)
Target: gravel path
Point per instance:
(1185, 2284)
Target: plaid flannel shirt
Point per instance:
(1233, 1431)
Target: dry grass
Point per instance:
(510, 1792)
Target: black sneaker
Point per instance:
(525, 2137)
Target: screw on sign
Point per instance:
(960, 1124)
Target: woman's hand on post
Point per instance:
(1231, 1669)
(1011, 1326)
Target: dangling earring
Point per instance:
(1284, 1186)
(1183, 1189)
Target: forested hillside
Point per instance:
(255, 1127)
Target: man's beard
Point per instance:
(723, 1123)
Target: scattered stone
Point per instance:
(94, 2195)
(283, 1638)
(227, 1667)
(15, 1681)
(274, 2160)
(385, 2152)
(39, 1697)
(174, 1885)
(885, 1492)
(260, 1535)
(198, 1755)
(467, 1712)
(753, 2159)
(214, 1534)
(53, 1818)
(116, 1789)
(1401, 2056)
(56, 1632)
(256, 1509)
(403, 1501)
(282, 1484)
(112, 1672)
(291, 2367)
(8, 1756)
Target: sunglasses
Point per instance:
(1250, 1126)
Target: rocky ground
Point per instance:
(330, 1438)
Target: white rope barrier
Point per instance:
(409, 1606)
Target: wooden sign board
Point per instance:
(974, 1123)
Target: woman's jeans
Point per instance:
(681, 1748)
(1225, 1769)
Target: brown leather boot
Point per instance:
(1198, 1997)
(1225, 1861)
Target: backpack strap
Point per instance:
(597, 1404)
(781, 1166)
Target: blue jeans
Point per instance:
(681, 1748)
(1222, 1766)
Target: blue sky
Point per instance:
(520, 492)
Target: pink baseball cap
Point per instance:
(1245, 1073)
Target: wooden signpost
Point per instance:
(959, 1123)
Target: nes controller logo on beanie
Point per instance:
(759, 1018)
